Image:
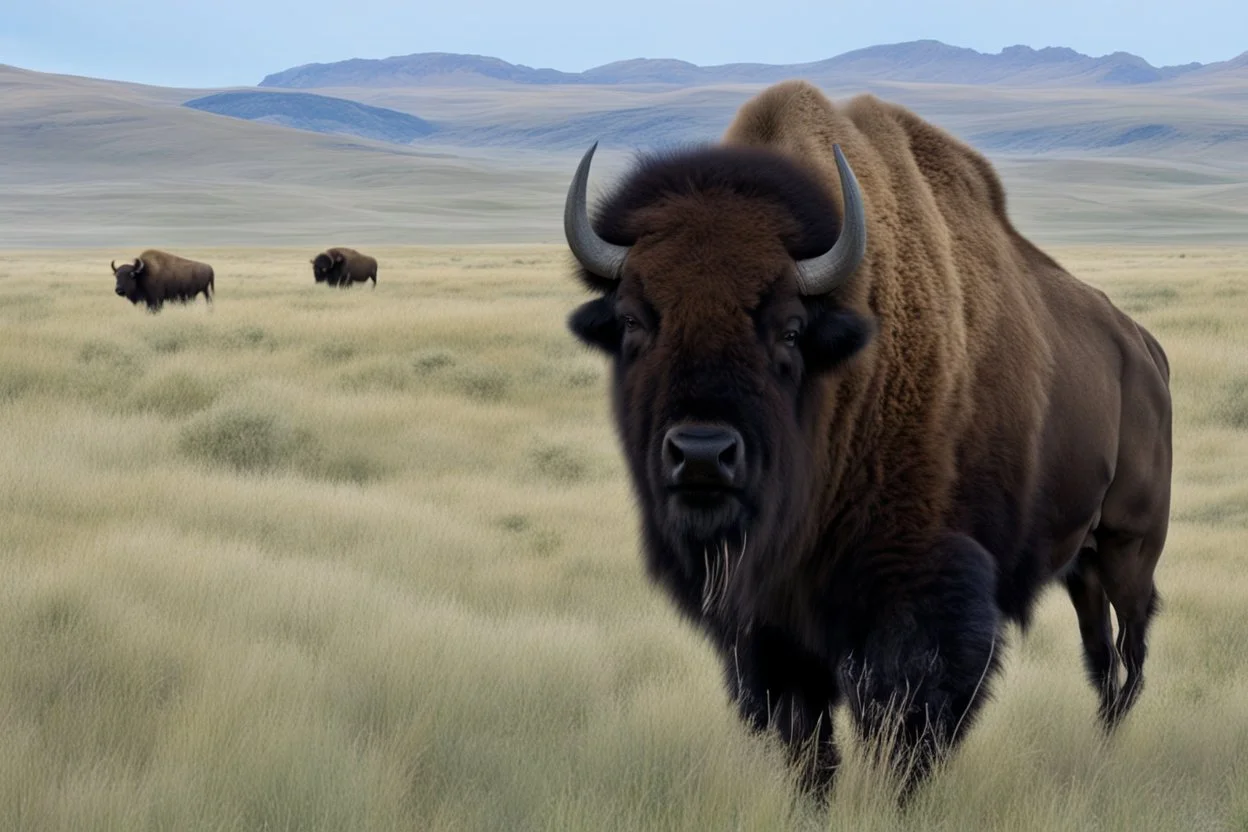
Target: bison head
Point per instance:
(322, 265)
(129, 277)
(717, 270)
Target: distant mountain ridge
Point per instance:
(921, 60)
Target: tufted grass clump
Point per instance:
(175, 395)
(335, 352)
(387, 375)
(514, 522)
(1146, 298)
(244, 439)
(107, 354)
(582, 377)
(432, 360)
(169, 341)
(354, 467)
(559, 464)
(16, 381)
(485, 384)
(248, 337)
(1231, 407)
(248, 436)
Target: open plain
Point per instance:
(319, 559)
(365, 560)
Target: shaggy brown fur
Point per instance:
(157, 276)
(1003, 426)
(344, 266)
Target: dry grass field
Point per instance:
(366, 560)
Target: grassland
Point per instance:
(324, 560)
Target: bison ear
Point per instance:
(833, 337)
(595, 324)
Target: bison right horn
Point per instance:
(594, 253)
(112, 264)
(820, 275)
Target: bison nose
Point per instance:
(120, 292)
(703, 455)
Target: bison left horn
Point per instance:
(594, 253)
(820, 275)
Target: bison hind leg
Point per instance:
(1126, 566)
(1133, 646)
(1083, 584)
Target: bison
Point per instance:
(157, 276)
(344, 266)
(867, 421)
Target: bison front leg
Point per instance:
(779, 686)
(920, 669)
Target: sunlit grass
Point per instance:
(367, 560)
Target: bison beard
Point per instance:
(855, 464)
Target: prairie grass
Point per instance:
(367, 559)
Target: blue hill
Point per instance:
(320, 113)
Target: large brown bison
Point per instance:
(867, 421)
(157, 276)
(343, 266)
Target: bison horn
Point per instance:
(820, 275)
(112, 264)
(138, 265)
(594, 253)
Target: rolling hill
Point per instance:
(318, 113)
(1195, 122)
(91, 163)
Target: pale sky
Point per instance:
(237, 42)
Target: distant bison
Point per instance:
(157, 276)
(343, 267)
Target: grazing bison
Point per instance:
(867, 421)
(344, 266)
(157, 276)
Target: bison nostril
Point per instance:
(674, 455)
(728, 457)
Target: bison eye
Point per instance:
(630, 323)
(790, 337)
